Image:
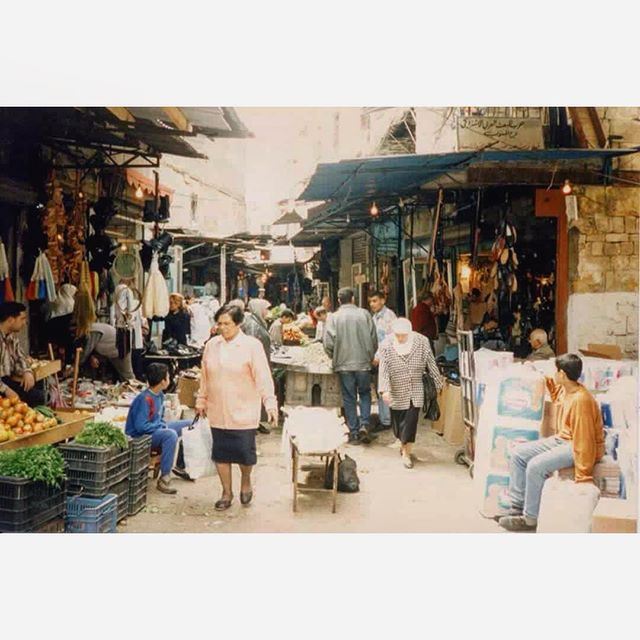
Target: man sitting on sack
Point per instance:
(578, 443)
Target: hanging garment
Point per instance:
(6, 290)
(155, 300)
(49, 291)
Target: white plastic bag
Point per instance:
(197, 444)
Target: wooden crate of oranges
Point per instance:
(21, 425)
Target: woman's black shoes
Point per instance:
(245, 498)
(223, 504)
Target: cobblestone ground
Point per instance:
(435, 496)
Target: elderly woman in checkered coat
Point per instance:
(404, 356)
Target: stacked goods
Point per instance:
(97, 459)
(292, 334)
(92, 515)
(32, 488)
(140, 450)
(18, 419)
(121, 490)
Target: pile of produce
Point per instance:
(292, 334)
(314, 355)
(18, 419)
(102, 434)
(44, 463)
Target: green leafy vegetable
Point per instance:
(102, 434)
(44, 463)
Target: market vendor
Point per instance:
(13, 361)
(177, 325)
(578, 442)
(100, 338)
(539, 342)
(287, 316)
(321, 320)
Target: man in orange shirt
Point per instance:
(579, 443)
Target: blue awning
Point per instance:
(402, 175)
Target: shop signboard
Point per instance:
(386, 238)
(476, 132)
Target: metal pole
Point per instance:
(223, 274)
(399, 288)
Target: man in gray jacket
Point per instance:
(350, 340)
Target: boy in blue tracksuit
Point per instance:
(146, 417)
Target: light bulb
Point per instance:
(567, 189)
(139, 192)
(123, 247)
(374, 210)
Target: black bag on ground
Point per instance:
(430, 407)
(348, 481)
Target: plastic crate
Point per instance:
(137, 497)
(95, 484)
(101, 461)
(32, 505)
(136, 506)
(91, 515)
(139, 452)
(53, 526)
(121, 489)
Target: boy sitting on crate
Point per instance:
(146, 416)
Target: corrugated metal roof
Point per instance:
(404, 174)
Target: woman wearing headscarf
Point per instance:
(404, 357)
(58, 319)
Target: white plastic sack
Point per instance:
(567, 506)
(197, 444)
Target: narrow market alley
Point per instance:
(436, 496)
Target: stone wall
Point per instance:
(603, 268)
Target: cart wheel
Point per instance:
(471, 470)
(460, 457)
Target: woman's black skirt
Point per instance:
(405, 423)
(236, 446)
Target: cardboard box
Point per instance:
(454, 426)
(608, 351)
(614, 516)
(187, 390)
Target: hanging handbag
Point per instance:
(430, 406)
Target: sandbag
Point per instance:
(567, 506)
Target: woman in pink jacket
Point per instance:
(235, 379)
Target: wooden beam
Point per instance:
(577, 125)
(597, 126)
(178, 118)
(122, 114)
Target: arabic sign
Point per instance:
(475, 132)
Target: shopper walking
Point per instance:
(351, 341)
(383, 318)
(578, 442)
(235, 380)
(403, 359)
